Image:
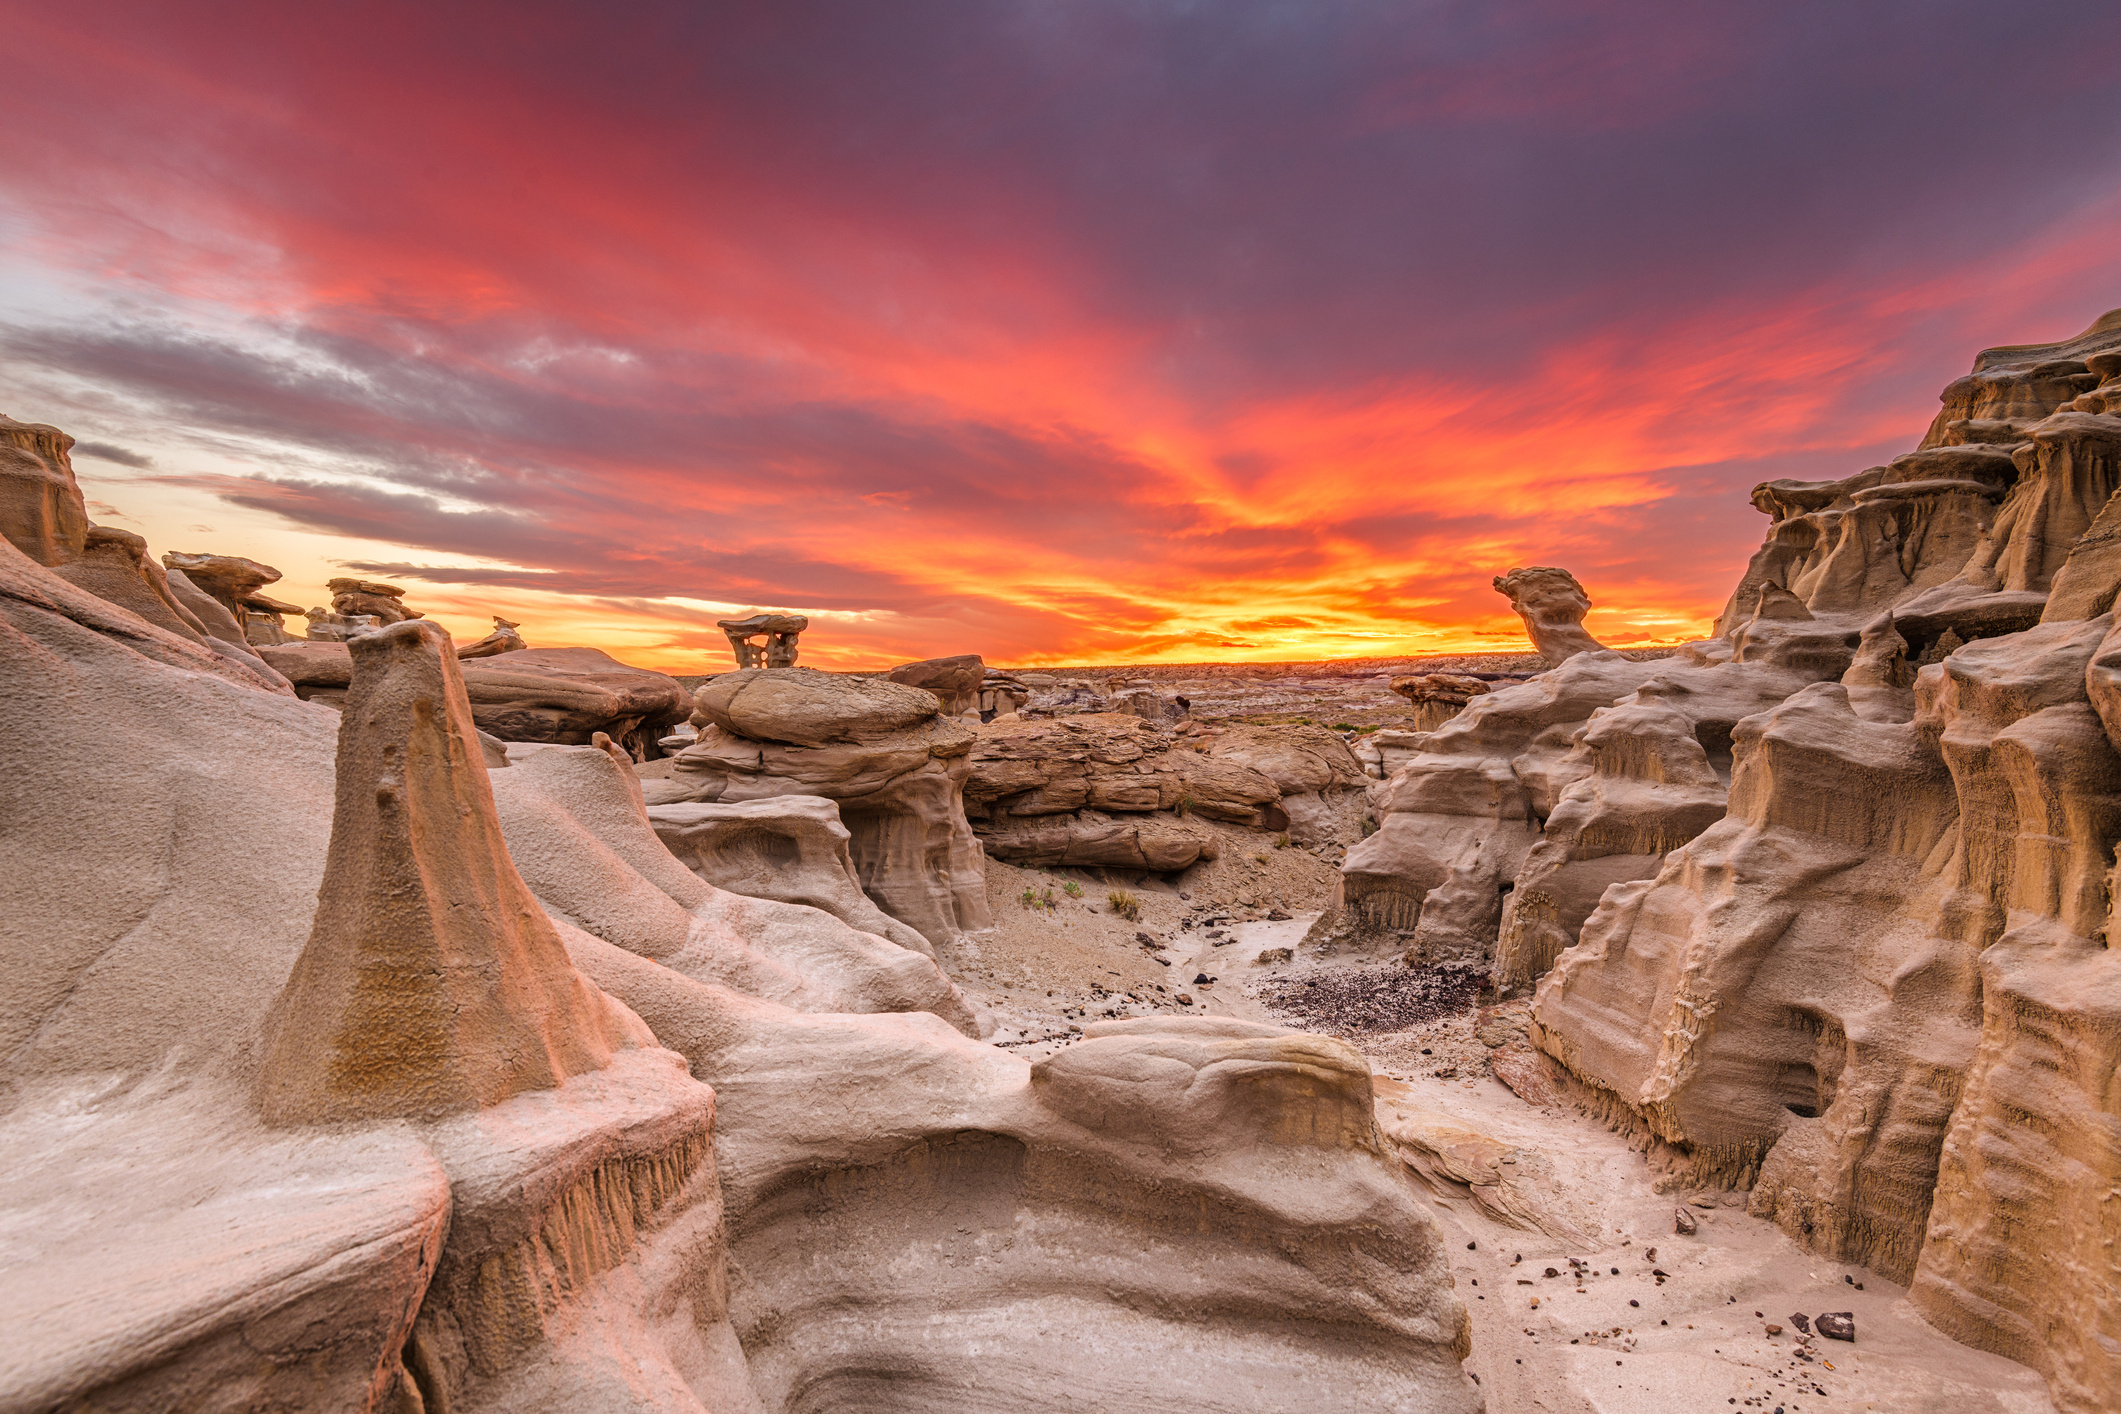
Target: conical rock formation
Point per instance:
(432, 982)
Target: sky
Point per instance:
(1059, 331)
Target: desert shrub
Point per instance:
(1126, 905)
(1071, 888)
(1281, 841)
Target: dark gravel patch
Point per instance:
(1366, 999)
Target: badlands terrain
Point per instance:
(401, 1025)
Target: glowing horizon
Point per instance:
(1115, 333)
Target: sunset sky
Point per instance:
(1057, 331)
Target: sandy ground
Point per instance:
(1604, 1335)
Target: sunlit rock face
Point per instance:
(479, 1099)
(1821, 907)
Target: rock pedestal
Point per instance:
(432, 982)
(764, 640)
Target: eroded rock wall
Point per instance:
(1821, 907)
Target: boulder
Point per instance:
(1107, 789)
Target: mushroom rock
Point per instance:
(432, 982)
(880, 750)
(1552, 605)
(1438, 697)
(41, 510)
(787, 847)
(383, 602)
(777, 635)
(564, 695)
(231, 579)
(956, 682)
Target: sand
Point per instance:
(1695, 1342)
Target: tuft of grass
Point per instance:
(1369, 827)
(1343, 727)
(1281, 841)
(1038, 898)
(1071, 888)
(1126, 905)
(1185, 803)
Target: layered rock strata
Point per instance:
(1821, 907)
(1211, 1203)
(564, 695)
(1113, 791)
(880, 750)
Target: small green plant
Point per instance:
(1038, 898)
(1343, 726)
(1126, 905)
(1281, 841)
(1071, 888)
(1185, 804)
(1028, 898)
(1369, 828)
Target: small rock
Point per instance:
(1836, 1325)
(1163, 962)
(1774, 1329)
(1683, 1222)
(1145, 940)
(1272, 955)
(1802, 1322)
(1200, 979)
(1702, 1200)
(1184, 1000)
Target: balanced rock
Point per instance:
(1437, 697)
(764, 640)
(1552, 605)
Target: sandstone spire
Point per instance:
(432, 982)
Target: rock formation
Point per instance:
(423, 928)
(1820, 907)
(1208, 1202)
(793, 848)
(764, 640)
(1552, 605)
(880, 750)
(1437, 697)
(505, 638)
(1113, 791)
(236, 584)
(41, 510)
(563, 695)
(955, 681)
